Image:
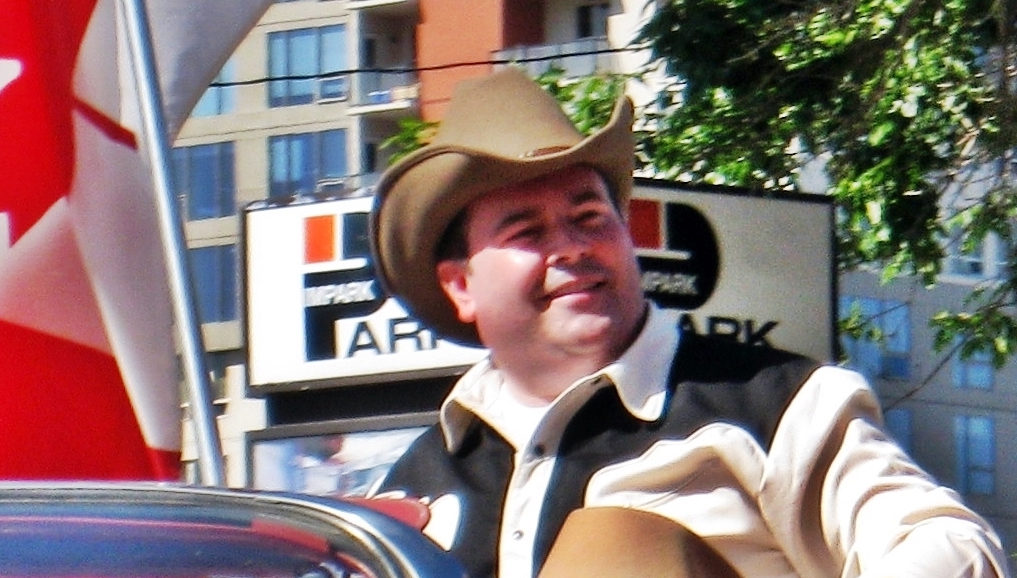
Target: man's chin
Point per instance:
(590, 329)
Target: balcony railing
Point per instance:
(357, 89)
(578, 58)
(383, 87)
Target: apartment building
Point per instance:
(304, 104)
(957, 417)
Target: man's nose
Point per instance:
(567, 244)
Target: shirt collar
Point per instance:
(641, 373)
(640, 376)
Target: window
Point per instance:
(306, 61)
(886, 351)
(964, 263)
(369, 158)
(591, 20)
(1003, 254)
(898, 423)
(975, 372)
(975, 440)
(204, 179)
(214, 270)
(218, 99)
(370, 82)
(306, 163)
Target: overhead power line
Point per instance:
(405, 70)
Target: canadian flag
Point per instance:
(88, 369)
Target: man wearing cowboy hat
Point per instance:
(508, 231)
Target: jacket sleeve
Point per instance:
(843, 499)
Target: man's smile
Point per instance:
(565, 285)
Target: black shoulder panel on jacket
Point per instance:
(477, 475)
(722, 380)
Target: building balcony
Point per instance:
(364, 180)
(578, 58)
(382, 91)
(384, 7)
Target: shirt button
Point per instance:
(517, 535)
(539, 450)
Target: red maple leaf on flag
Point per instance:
(36, 105)
(36, 101)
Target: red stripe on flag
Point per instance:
(106, 125)
(64, 405)
(644, 223)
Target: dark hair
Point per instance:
(452, 244)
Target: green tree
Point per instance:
(909, 103)
(588, 101)
(413, 133)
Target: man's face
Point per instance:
(550, 270)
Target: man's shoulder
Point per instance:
(715, 359)
(751, 385)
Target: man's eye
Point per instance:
(590, 218)
(525, 233)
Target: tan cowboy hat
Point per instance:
(499, 130)
(627, 543)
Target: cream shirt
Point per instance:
(833, 497)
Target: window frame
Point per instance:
(894, 351)
(322, 173)
(966, 265)
(900, 424)
(218, 100)
(290, 69)
(216, 282)
(964, 372)
(220, 182)
(973, 477)
(592, 20)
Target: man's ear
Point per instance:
(452, 278)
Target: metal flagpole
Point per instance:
(209, 450)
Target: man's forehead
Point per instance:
(574, 185)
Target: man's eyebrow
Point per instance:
(523, 214)
(517, 216)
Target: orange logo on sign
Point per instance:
(319, 239)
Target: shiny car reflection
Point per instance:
(75, 530)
